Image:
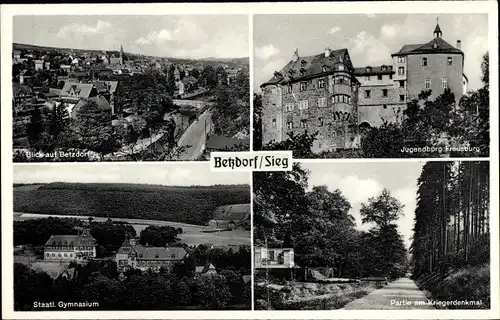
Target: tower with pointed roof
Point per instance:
(121, 54)
(435, 65)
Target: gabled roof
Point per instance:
(310, 65)
(21, 88)
(436, 45)
(160, 253)
(84, 89)
(102, 103)
(234, 212)
(71, 240)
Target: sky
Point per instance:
(201, 36)
(370, 39)
(359, 181)
(174, 174)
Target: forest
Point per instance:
(194, 205)
(318, 225)
(451, 243)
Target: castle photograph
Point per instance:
(391, 86)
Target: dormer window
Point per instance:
(290, 71)
(325, 68)
(368, 69)
(303, 63)
(340, 67)
(384, 68)
(302, 71)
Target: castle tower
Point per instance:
(437, 31)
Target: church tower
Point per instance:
(437, 30)
(121, 54)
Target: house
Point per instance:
(207, 269)
(73, 92)
(231, 216)
(22, 97)
(273, 258)
(16, 55)
(135, 256)
(79, 248)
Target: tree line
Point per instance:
(318, 225)
(452, 217)
(193, 205)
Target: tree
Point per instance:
(221, 77)
(208, 77)
(92, 129)
(257, 121)
(212, 292)
(34, 129)
(182, 294)
(195, 73)
(382, 210)
(300, 144)
(158, 236)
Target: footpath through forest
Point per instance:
(400, 294)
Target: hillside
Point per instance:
(194, 204)
(229, 61)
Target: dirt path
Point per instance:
(400, 294)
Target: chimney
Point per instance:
(328, 51)
(296, 55)
(459, 45)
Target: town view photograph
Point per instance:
(372, 86)
(129, 88)
(122, 236)
(350, 236)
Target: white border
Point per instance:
(413, 7)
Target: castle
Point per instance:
(325, 93)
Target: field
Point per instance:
(191, 205)
(191, 234)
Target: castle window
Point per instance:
(427, 83)
(289, 107)
(379, 77)
(47, 255)
(424, 62)
(274, 123)
(271, 255)
(321, 83)
(384, 92)
(53, 255)
(401, 59)
(289, 125)
(321, 121)
(401, 97)
(303, 105)
(65, 255)
(58, 255)
(367, 93)
(367, 78)
(288, 88)
(390, 76)
(157, 256)
(401, 71)
(384, 106)
(450, 61)
(444, 83)
(303, 123)
(322, 102)
(401, 83)
(303, 86)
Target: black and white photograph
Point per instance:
(372, 236)
(131, 237)
(372, 85)
(129, 88)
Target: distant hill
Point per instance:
(194, 204)
(230, 61)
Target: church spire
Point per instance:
(437, 31)
(121, 54)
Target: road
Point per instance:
(398, 295)
(195, 137)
